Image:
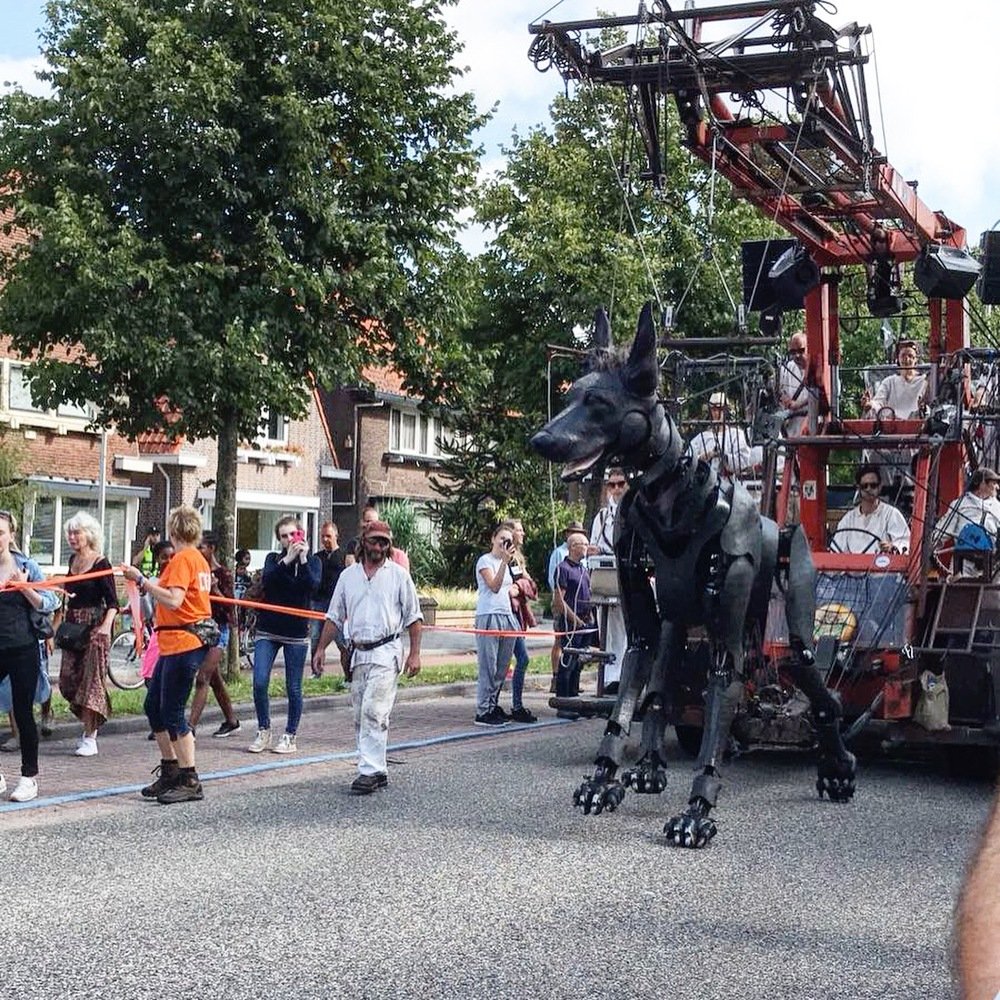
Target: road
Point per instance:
(472, 876)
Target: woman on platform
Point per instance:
(83, 674)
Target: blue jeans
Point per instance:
(264, 652)
(167, 694)
(520, 669)
(316, 624)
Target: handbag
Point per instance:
(73, 636)
(41, 624)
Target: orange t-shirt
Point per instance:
(189, 570)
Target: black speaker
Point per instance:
(988, 282)
(758, 257)
(944, 273)
(793, 275)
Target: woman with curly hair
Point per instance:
(83, 674)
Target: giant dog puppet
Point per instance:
(714, 560)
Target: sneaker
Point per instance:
(225, 729)
(501, 714)
(382, 778)
(286, 744)
(10, 745)
(490, 719)
(365, 784)
(151, 735)
(522, 715)
(167, 772)
(3, 784)
(87, 747)
(261, 742)
(187, 788)
(25, 790)
(46, 726)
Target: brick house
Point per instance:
(388, 449)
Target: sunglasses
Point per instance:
(870, 486)
(616, 483)
(378, 540)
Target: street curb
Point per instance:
(421, 692)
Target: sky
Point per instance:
(935, 83)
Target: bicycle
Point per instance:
(125, 661)
(247, 633)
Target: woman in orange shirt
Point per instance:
(181, 596)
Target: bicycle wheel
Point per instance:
(125, 664)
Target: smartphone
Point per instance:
(298, 536)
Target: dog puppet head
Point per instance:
(611, 413)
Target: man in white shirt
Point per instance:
(979, 506)
(874, 525)
(724, 445)
(602, 535)
(792, 393)
(379, 599)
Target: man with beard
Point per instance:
(378, 598)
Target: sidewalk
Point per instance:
(422, 716)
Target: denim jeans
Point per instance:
(316, 625)
(264, 652)
(167, 694)
(521, 659)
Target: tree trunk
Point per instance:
(224, 520)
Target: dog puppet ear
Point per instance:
(602, 329)
(641, 372)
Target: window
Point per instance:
(273, 428)
(414, 433)
(20, 393)
(47, 545)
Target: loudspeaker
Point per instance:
(988, 283)
(758, 257)
(944, 273)
(793, 275)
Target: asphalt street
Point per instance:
(473, 876)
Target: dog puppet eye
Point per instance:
(597, 400)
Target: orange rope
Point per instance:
(60, 581)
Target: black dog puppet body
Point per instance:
(714, 559)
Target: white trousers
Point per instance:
(373, 693)
(615, 641)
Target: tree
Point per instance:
(575, 229)
(223, 202)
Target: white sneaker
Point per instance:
(25, 790)
(87, 747)
(3, 784)
(286, 744)
(261, 742)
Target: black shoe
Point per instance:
(365, 784)
(151, 736)
(187, 788)
(490, 719)
(522, 715)
(501, 714)
(382, 778)
(168, 773)
(225, 729)
(572, 716)
(611, 689)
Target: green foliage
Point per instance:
(13, 488)
(563, 245)
(223, 202)
(426, 563)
